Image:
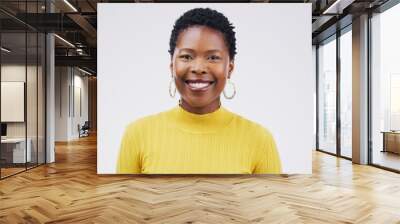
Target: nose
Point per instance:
(198, 67)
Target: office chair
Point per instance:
(84, 130)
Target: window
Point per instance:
(346, 93)
(327, 96)
(385, 89)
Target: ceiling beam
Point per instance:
(84, 24)
(84, 61)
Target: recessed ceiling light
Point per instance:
(64, 40)
(84, 71)
(5, 50)
(337, 7)
(70, 5)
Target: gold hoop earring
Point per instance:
(172, 93)
(234, 90)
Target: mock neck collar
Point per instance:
(201, 123)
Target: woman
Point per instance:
(199, 136)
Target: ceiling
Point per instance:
(76, 22)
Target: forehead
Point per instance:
(201, 37)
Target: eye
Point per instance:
(185, 57)
(214, 58)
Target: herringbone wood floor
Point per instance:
(70, 191)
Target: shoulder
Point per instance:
(148, 121)
(255, 132)
(251, 125)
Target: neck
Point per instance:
(213, 106)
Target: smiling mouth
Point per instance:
(199, 85)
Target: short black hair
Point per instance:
(205, 17)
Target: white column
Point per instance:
(360, 90)
(50, 100)
(50, 92)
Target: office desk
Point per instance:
(391, 141)
(15, 148)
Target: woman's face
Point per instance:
(201, 65)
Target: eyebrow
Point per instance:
(191, 50)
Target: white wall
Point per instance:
(61, 103)
(67, 116)
(79, 117)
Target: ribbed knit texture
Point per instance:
(180, 142)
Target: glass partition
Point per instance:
(13, 109)
(22, 77)
(32, 95)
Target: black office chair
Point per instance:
(84, 130)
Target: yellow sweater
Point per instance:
(180, 142)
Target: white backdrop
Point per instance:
(273, 72)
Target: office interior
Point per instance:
(49, 93)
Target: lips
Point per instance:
(199, 84)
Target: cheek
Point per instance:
(180, 68)
(220, 72)
(179, 71)
(221, 84)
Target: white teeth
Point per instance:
(198, 85)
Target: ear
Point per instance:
(231, 66)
